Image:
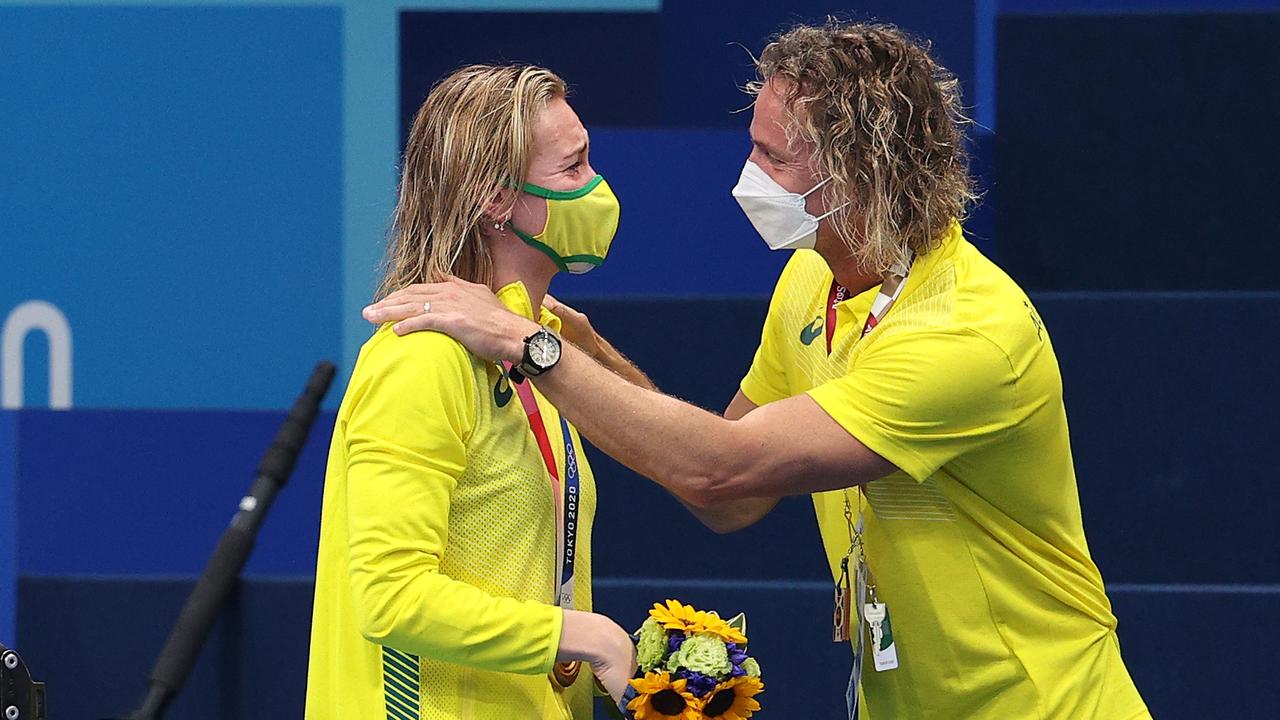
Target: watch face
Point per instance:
(544, 351)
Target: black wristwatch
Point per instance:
(541, 353)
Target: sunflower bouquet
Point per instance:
(692, 666)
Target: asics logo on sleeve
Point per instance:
(810, 332)
(502, 391)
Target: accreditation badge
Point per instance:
(884, 652)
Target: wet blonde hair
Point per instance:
(886, 125)
(472, 135)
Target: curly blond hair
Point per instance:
(886, 124)
(472, 135)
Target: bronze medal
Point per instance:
(564, 673)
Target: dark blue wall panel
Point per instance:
(8, 527)
(1172, 403)
(680, 67)
(94, 641)
(1138, 152)
(607, 58)
(126, 492)
(1179, 674)
(707, 47)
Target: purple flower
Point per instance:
(675, 640)
(699, 685)
(737, 656)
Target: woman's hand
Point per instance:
(574, 326)
(468, 312)
(617, 665)
(603, 644)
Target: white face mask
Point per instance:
(777, 214)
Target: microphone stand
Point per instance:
(228, 559)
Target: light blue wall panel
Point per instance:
(171, 183)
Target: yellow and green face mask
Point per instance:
(580, 225)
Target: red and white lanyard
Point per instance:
(566, 497)
(890, 290)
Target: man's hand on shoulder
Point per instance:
(468, 312)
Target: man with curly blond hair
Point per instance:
(902, 380)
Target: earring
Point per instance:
(497, 226)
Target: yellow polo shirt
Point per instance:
(976, 545)
(436, 569)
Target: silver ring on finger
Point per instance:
(426, 308)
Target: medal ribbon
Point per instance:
(566, 498)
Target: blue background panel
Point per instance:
(603, 56)
(1136, 152)
(1169, 436)
(680, 67)
(172, 182)
(150, 493)
(8, 526)
(95, 640)
(707, 47)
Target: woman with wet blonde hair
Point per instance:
(454, 568)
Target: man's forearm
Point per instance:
(733, 515)
(789, 447)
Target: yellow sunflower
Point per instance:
(661, 698)
(733, 699)
(677, 616)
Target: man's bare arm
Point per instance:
(789, 447)
(734, 515)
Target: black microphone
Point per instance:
(220, 575)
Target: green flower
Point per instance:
(652, 646)
(703, 653)
(751, 667)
